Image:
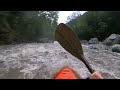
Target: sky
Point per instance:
(64, 14)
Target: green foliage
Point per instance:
(26, 26)
(98, 24)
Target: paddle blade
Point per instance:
(69, 40)
(71, 43)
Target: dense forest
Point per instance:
(26, 26)
(98, 24)
(29, 26)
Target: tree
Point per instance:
(98, 24)
(73, 16)
(26, 26)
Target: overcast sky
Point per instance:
(64, 14)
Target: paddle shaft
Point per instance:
(87, 65)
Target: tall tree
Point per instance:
(98, 24)
(26, 26)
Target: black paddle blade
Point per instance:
(69, 40)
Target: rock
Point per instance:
(98, 47)
(116, 48)
(44, 40)
(93, 41)
(100, 42)
(112, 39)
(84, 41)
(117, 40)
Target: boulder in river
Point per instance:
(117, 40)
(44, 40)
(116, 48)
(84, 41)
(93, 41)
(112, 39)
(99, 47)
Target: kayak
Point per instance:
(66, 73)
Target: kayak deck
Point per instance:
(66, 73)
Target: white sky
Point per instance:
(64, 14)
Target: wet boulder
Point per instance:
(93, 41)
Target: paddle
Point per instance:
(71, 43)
